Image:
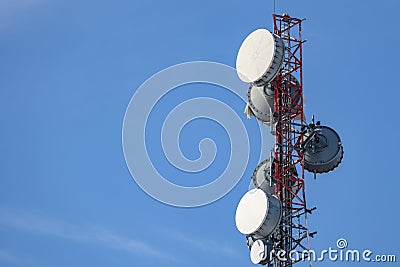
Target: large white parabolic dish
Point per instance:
(258, 213)
(260, 57)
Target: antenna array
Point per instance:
(274, 215)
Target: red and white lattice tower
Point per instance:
(293, 233)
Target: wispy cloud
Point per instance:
(11, 9)
(206, 245)
(7, 256)
(40, 224)
(12, 6)
(118, 242)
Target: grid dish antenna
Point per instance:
(323, 150)
(260, 57)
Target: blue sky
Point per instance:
(67, 72)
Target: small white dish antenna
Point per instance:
(262, 177)
(258, 252)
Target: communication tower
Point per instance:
(274, 215)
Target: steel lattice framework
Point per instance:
(293, 234)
